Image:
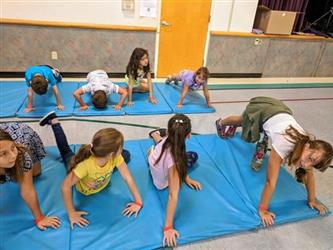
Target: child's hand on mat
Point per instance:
(60, 107)
(209, 105)
(179, 105)
(49, 221)
(152, 100)
(131, 208)
(76, 217)
(130, 104)
(85, 107)
(117, 107)
(267, 218)
(29, 109)
(321, 209)
(193, 184)
(170, 237)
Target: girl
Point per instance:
(91, 168)
(137, 69)
(290, 143)
(21, 151)
(168, 163)
(191, 81)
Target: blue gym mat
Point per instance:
(46, 103)
(193, 103)
(12, 95)
(233, 159)
(17, 229)
(226, 204)
(92, 111)
(142, 106)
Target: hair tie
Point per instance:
(179, 121)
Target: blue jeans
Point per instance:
(66, 152)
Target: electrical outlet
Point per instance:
(127, 5)
(258, 41)
(54, 55)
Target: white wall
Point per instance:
(76, 11)
(233, 15)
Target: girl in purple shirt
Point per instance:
(191, 81)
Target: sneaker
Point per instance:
(168, 80)
(47, 118)
(231, 131)
(221, 129)
(259, 154)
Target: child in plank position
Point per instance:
(169, 163)
(191, 81)
(38, 79)
(90, 169)
(100, 87)
(290, 144)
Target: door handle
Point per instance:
(165, 23)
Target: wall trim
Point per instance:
(76, 25)
(245, 34)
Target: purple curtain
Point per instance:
(298, 6)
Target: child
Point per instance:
(137, 69)
(38, 79)
(21, 151)
(100, 87)
(91, 168)
(168, 163)
(290, 143)
(191, 81)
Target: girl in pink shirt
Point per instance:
(168, 163)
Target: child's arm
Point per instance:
(123, 93)
(206, 94)
(130, 91)
(29, 195)
(310, 187)
(75, 217)
(132, 207)
(170, 234)
(151, 94)
(274, 164)
(57, 95)
(192, 183)
(182, 96)
(29, 107)
(77, 95)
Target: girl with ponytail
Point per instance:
(291, 144)
(91, 168)
(168, 163)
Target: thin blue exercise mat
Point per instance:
(92, 111)
(233, 159)
(17, 229)
(45, 103)
(142, 106)
(213, 211)
(12, 95)
(193, 103)
(108, 228)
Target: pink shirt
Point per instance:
(160, 171)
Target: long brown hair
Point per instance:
(16, 172)
(104, 142)
(179, 127)
(134, 63)
(299, 141)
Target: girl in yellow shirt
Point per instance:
(91, 168)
